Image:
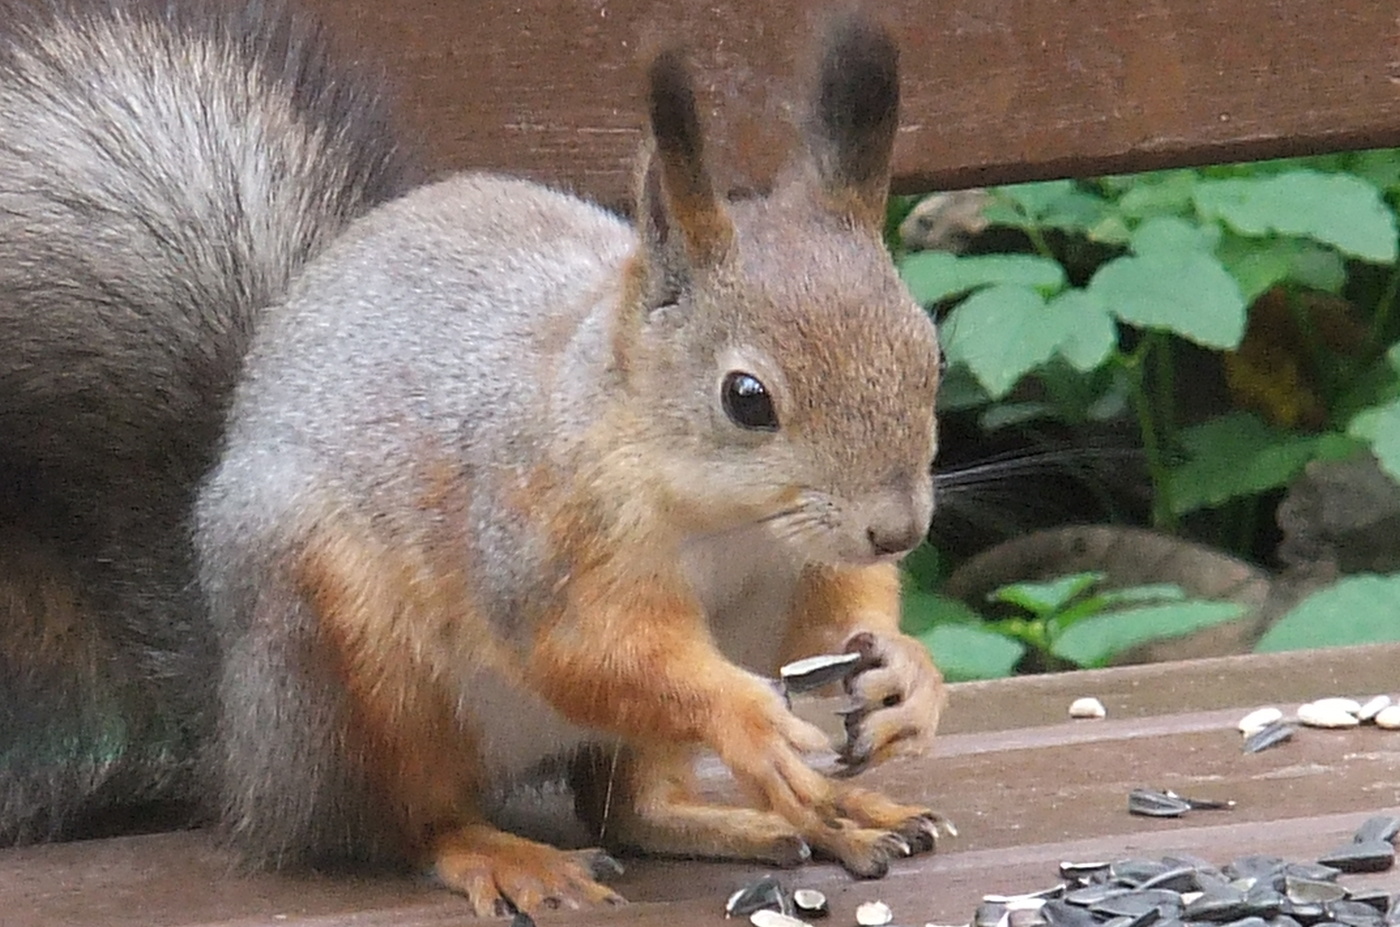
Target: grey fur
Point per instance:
(477, 322)
(165, 169)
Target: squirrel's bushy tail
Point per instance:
(165, 170)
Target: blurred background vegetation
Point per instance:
(1204, 366)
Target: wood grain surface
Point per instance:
(994, 90)
(1026, 787)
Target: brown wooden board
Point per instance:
(1026, 786)
(995, 90)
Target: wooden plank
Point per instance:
(994, 91)
(1026, 788)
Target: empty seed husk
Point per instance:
(1378, 899)
(1270, 735)
(1352, 913)
(1259, 719)
(1155, 804)
(1372, 856)
(1076, 871)
(1381, 827)
(1060, 913)
(765, 893)
(1312, 891)
(874, 914)
(1218, 906)
(810, 903)
(1087, 707)
(1024, 917)
(814, 672)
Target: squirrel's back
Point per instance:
(165, 171)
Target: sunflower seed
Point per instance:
(1087, 707)
(767, 917)
(1328, 713)
(874, 914)
(1372, 707)
(1259, 719)
(814, 672)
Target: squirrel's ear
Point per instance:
(854, 115)
(683, 224)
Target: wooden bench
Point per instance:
(995, 92)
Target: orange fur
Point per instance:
(375, 610)
(835, 602)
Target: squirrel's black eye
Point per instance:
(747, 403)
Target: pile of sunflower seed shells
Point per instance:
(1173, 891)
(1268, 727)
(1253, 891)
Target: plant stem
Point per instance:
(1380, 319)
(1134, 364)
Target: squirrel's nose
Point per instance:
(897, 538)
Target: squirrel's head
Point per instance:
(772, 350)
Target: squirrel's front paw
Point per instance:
(898, 695)
(764, 743)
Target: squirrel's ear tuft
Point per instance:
(854, 115)
(683, 224)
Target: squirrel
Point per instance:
(353, 500)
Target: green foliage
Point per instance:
(1123, 276)
(1068, 620)
(1359, 609)
(1238, 455)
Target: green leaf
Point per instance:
(1188, 293)
(923, 610)
(1000, 333)
(1318, 268)
(1379, 166)
(1238, 455)
(1341, 210)
(1148, 592)
(1162, 193)
(1173, 235)
(1004, 332)
(923, 568)
(1046, 598)
(1259, 263)
(1095, 640)
(1056, 204)
(1379, 427)
(1087, 332)
(965, 652)
(933, 276)
(1360, 609)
